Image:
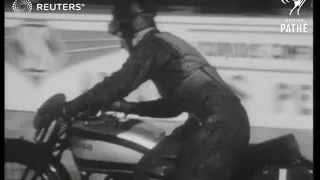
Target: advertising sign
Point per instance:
(255, 50)
(275, 99)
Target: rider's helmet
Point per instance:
(132, 16)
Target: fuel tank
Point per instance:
(112, 145)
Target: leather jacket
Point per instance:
(181, 74)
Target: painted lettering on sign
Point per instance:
(299, 97)
(239, 50)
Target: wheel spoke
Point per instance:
(25, 173)
(35, 176)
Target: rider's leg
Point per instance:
(213, 152)
(155, 162)
(160, 161)
(185, 131)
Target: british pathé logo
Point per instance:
(294, 26)
(297, 4)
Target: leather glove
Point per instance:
(121, 106)
(52, 111)
(45, 115)
(69, 110)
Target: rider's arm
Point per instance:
(118, 85)
(158, 108)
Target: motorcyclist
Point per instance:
(219, 129)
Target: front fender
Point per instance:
(23, 151)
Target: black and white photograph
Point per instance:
(159, 90)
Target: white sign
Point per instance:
(37, 46)
(274, 99)
(254, 50)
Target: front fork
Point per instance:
(41, 164)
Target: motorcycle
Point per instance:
(105, 147)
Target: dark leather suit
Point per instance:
(187, 83)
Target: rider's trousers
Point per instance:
(207, 151)
(212, 152)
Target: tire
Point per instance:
(32, 157)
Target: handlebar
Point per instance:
(51, 120)
(56, 125)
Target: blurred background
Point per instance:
(47, 52)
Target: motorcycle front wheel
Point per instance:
(19, 166)
(25, 160)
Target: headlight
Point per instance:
(42, 118)
(40, 121)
